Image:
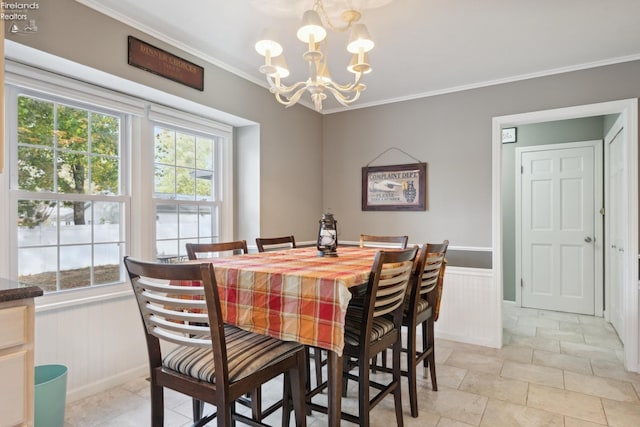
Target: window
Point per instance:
(67, 193)
(186, 195)
(88, 169)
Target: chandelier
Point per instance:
(319, 83)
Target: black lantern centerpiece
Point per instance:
(328, 236)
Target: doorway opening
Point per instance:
(627, 110)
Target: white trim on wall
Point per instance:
(629, 110)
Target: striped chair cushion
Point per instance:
(247, 353)
(422, 305)
(353, 326)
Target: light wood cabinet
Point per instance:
(16, 362)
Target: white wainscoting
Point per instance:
(470, 310)
(101, 342)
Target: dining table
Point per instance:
(295, 295)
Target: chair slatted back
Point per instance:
(371, 241)
(211, 250)
(179, 303)
(433, 258)
(275, 243)
(388, 281)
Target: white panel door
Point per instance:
(616, 210)
(557, 227)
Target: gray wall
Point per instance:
(586, 129)
(286, 145)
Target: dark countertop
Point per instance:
(11, 290)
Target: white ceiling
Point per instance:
(423, 47)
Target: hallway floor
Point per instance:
(555, 369)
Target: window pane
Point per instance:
(105, 134)
(204, 185)
(35, 169)
(105, 175)
(107, 264)
(38, 266)
(204, 158)
(75, 222)
(205, 223)
(72, 173)
(72, 127)
(188, 221)
(75, 262)
(166, 222)
(165, 149)
(34, 222)
(164, 181)
(185, 150)
(106, 221)
(185, 184)
(167, 251)
(35, 122)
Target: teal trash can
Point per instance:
(50, 395)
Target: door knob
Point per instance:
(587, 239)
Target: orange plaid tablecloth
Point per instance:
(293, 294)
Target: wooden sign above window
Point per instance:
(160, 62)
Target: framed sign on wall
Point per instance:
(394, 188)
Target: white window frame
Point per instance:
(137, 167)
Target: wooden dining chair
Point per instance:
(374, 327)
(195, 251)
(200, 355)
(275, 243)
(421, 308)
(371, 241)
(210, 250)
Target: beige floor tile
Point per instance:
(563, 317)
(562, 361)
(556, 334)
(96, 409)
(536, 343)
(525, 331)
(535, 374)
(447, 422)
(441, 353)
(454, 404)
(569, 403)
(475, 362)
(621, 414)
(602, 387)
(449, 376)
(574, 422)
(571, 327)
(607, 341)
(506, 414)
(495, 387)
(516, 353)
(539, 322)
(615, 370)
(588, 351)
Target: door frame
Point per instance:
(628, 109)
(598, 202)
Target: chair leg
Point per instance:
(286, 400)
(157, 405)
(297, 384)
(431, 358)
(317, 358)
(364, 404)
(411, 371)
(256, 403)
(198, 406)
(397, 378)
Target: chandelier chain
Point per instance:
(319, 6)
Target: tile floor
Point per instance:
(555, 369)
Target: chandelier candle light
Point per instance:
(314, 34)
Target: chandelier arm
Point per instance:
(348, 87)
(341, 98)
(277, 87)
(291, 100)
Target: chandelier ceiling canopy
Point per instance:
(313, 33)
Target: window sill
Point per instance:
(60, 300)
